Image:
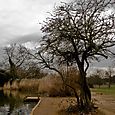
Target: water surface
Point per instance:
(11, 103)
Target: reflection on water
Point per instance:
(11, 103)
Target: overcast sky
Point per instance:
(19, 19)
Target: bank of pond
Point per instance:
(12, 94)
(48, 86)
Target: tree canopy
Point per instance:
(80, 31)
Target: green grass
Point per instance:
(105, 90)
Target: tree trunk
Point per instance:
(13, 70)
(85, 96)
(109, 81)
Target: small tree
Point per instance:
(78, 33)
(34, 71)
(108, 74)
(15, 58)
(96, 78)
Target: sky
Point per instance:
(19, 19)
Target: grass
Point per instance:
(105, 90)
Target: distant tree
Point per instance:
(4, 77)
(34, 71)
(78, 33)
(97, 78)
(15, 57)
(21, 63)
(108, 74)
(113, 79)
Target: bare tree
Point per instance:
(78, 33)
(16, 56)
(21, 63)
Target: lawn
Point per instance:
(105, 90)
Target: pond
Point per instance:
(11, 103)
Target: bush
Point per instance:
(52, 87)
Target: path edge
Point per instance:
(32, 112)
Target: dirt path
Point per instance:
(48, 106)
(106, 103)
(51, 106)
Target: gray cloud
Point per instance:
(35, 37)
(22, 17)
